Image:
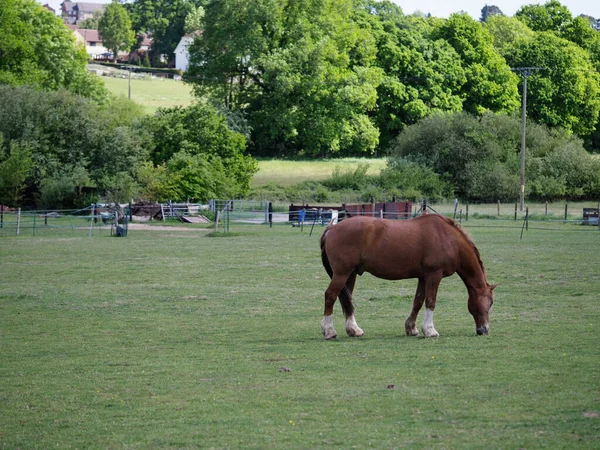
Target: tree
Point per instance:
(92, 22)
(490, 86)
(165, 21)
(552, 16)
(422, 75)
(115, 28)
(506, 32)
(301, 72)
(200, 132)
(567, 94)
(37, 49)
(194, 20)
(15, 165)
(72, 143)
(480, 157)
(488, 11)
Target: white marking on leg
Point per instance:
(352, 328)
(427, 326)
(327, 327)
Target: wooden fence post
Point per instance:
(566, 210)
(270, 209)
(467, 212)
(527, 219)
(498, 207)
(546, 211)
(18, 220)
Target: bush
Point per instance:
(480, 158)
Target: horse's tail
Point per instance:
(345, 295)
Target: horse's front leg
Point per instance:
(410, 324)
(431, 288)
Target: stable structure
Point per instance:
(182, 53)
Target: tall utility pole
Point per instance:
(525, 71)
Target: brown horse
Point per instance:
(429, 248)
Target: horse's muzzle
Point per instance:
(484, 330)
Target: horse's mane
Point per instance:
(467, 237)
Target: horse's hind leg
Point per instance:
(410, 324)
(335, 287)
(352, 328)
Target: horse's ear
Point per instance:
(493, 286)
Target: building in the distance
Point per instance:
(50, 8)
(74, 12)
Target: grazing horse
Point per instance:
(429, 247)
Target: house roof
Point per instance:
(89, 35)
(67, 6)
(89, 7)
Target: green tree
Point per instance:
(199, 131)
(15, 167)
(287, 66)
(490, 11)
(92, 22)
(115, 28)
(165, 21)
(37, 49)
(567, 94)
(480, 157)
(194, 20)
(72, 142)
(552, 16)
(506, 32)
(490, 86)
(422, 75)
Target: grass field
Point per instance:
(172, 339)
(151, 93)
(288, 173)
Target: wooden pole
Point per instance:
(18, 220)
(467, 212)
(566, 210)
(515, 212)
(527, 219)
(270, 208)
(546, 210)
(498, 207)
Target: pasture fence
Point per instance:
(92, 220)
(113, 220)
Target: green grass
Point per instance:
(152, 93)
(288, 173)
(171, 339)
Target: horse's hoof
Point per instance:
(430, 333)
(413, 332)
(355, 333)
(329, 337)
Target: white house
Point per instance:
(182, 54)
(92, 42)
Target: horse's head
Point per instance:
(479, 307)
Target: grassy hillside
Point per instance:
(152, 93)
(287, 173)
